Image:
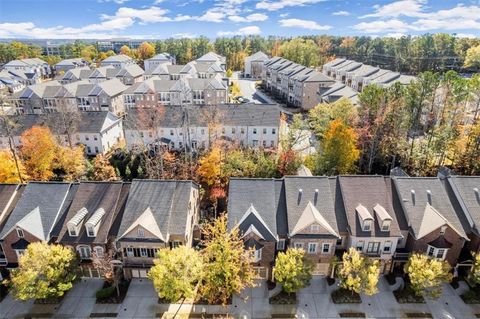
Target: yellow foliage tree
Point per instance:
(125, 50)
(71, 162)
(8, 169)
(359, 273)
(426, 274)
(145, 51)
(210, 167)
(102, 170)
(38, 152)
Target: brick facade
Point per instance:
(12, 238)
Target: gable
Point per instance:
(431, 221)
(253, 218)
(32, 223)
(148, 222)
(310, 216)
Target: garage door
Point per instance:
(321, 269)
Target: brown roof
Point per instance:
(94, 195)
(368, 191)
(7, 203)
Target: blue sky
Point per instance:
(190, 18)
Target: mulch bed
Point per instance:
(471, 296)
(49, 301)
(342, 296)
(407, 295)
(3, 292)
(205, 302)
(418, 315)
(103, 315)
(284, 298)
(115, 299)
(352, 315)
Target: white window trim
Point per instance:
(130, 252)
(315, 227)
(362, 246)
(74, 229)
(323, 248)
(175, 243)
(386, 225)
(20, 233)
(313, 245)
(140, 232)
(281, 244)
(99, 251)
(365, 223)
(80, 251)
(298, 245)
(385, 245)
(436, 251)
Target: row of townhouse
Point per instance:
(128, 75)
(196, 127)
(185, 91)
(82, 95)
(351, 77)
(99, 132)
(295, 84)
(31, 65)
(70, 64)
(385, 218)
(135, 219)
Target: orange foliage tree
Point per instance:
(38, 152)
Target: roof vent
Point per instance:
(477, 194)
(429, 196)
(315, 198)
(299, 196)
(413, 196)
(300, 190)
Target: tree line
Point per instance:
(408, 54)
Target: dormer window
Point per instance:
(366, 219)
(384, 219)
(367, 225)
(443, 229)
(72, 231)
(386, 225)
(75, 223)
(90, 231)
(93, 222)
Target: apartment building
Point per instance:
(15, 81)
(253, 65)
(99, 132)
(188, 127)
(158, 214)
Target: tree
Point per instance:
(292, 270)
(177, 273)
(229, 73)
(235, 90)
(125, 50)
(70, 163)
(472, 58)
(8, 124)
(38, 151)
(44, 271)
(227, 267)
(358, 273)
(474, 275)
(339, 151)
(8, 169)
(426, 275)
(102, 169)
(210, 167)
(145, 51)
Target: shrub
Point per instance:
(105, 292)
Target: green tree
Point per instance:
(339, 151)
(292, 270)
(229, 73)
(44, 271)
(176, 273)
(321, 115)
(228, 269)
(474, 275)
(472, 58)
(359, 273)
(426, 275)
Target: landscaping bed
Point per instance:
(3, 291)
(407, 295)
(471, 296)
(418, 315)
(108, 294)
(49, 301)
(284, 298)
(352, 315)
(391, 278)
(342, 296)
(330, 281)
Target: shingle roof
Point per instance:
(367, 191)
(117, 58)
(167, 200)
(48, 197)
(7, 192)
(297, 201)
(93, 196)
(464, 192)
(258, 56)
(412, 193)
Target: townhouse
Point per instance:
(197, 127)
(329, 68)
(336, 92)
(434, 227)
(354, 79)
(73, 75)
(69, 64)
(159, 59)
(31, 65)
(118, 61)
(257, 208)
(387, 79)
(212, 57)
(9, 195)
(99, 132)
(158, 214)
(13, 81)
(87, 226)
(371, 220)
(253, 65)
(36, 217)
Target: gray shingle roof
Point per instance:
(48, 197)
(367, 191)
(168, 201)
(464, 193)
(414, 203)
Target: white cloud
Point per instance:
(250, 30)
(284, 15)
(185, 35)
(304, 24)
(157, 2)
(408, 8)
(341, 13)
(116, 1)
(280, 4)
(393, 25)
(254, 17)
(397, 35)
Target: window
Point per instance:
(264, 143)
(281, 244)
(140, 232)
(90, 231)
(273, 131)
(175, 244)
(72, 231)
(264, 131)
(95, 138)
(442, 230)
(84, 251)
(99, 251)
(387, 247)
(360, 245)
(315, 227)
(257, 255)
(242, 130)
(367, 225)
(325, 248)
(87, 138)
(233, 130)
(298, 245)
(386, 225)
(373, 247)
(340, 241)
(96, 149)
(171, 132)
(89, 150)
(20, 233)
(439, 253)
(19, 252)
(129, 251)
(254, 131)
(272, 143)
(312, 248)
(143, 252)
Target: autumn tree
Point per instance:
(339, 152)
(472, 58)
(177, 273)
(102, 169)
(210, 167)
(227, 269)
(125, 50)
(426, 275)
(474, 275)
(145, 51)
(70, 163)
(8, 169)
(8, 125)
(292, 270)
(44, 271)
(38, 152)
(358, 273)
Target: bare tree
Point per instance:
(106, 265)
